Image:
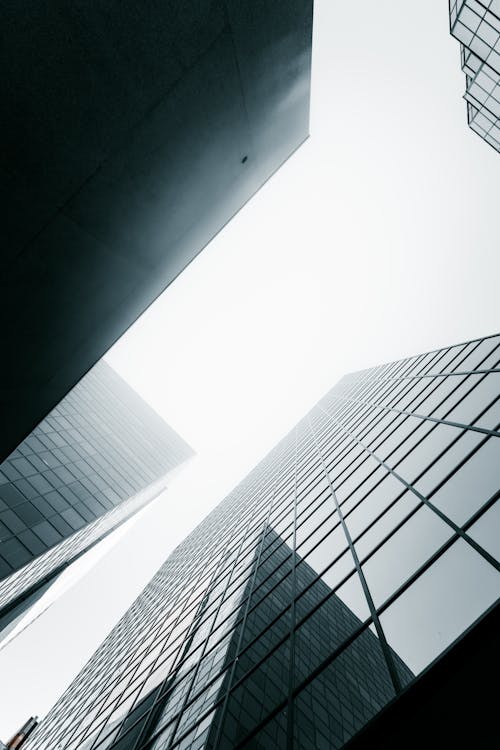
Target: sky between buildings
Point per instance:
(377, 240)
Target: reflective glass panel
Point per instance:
(472, 485)
(344, 697)
(486, 530)
(440, 605)
(404, 552)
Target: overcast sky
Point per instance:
(377, 240)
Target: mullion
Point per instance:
(315, 673)
(197, 664)
(242, 627)
(291, 662)
(175, 667)
(180, 616)
(371, 606)
(445, 421)
(349, 406)
(345, 644)
(459, 530)
(468, 374)
(440, 374)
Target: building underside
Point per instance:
(130, 134)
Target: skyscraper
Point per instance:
(476, 25)
(130, 136)
(350, 564)
(99, 457)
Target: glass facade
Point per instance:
(476, 25)
(98, 457)
(353, 556)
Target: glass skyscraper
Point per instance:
(476, 25)
(99, 457)
(333, 577)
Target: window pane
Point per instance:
(310, 541)
(273, 735)
(423, 453)
(326, 551)
(440, 390)
(323, 585)
(385, 524)
(486, 531)
(440, 605)
(376, 502)
(422, 428)
(365, 488)
(448, 461)
(356, 480)
(404, 553)
(491, 418)
(257, 696)
(485, 391)
(472, 485)
(344, 697)
(315, 519)
(325, 630)
(392, 442)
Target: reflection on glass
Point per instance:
(354, 687)
(265, 677)
(362, 491)
(337, 572)
(199, 706)
(472, 485)
(321, 586)
(256, 696)
(407, 425)
(486, 531)
(356, 481)
(273, 609)
(440, 605)
(351, 593)
(490, 420)
(327, 550)
(315, 519)
(371, 507)
(329, 626)
(482, 356)
(273, 735)
(312, 539)
(200, 640)
(445, 465)
(369, 539)
(484, 392)
(439, 438)
(404, 552)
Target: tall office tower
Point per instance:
(348, 569)
(131, 133)
(476, 25)
(99, 457)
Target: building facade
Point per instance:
(476, 25)
(337, 575)
(99, 457)
(130, 137)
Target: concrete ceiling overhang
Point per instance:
(131, 132)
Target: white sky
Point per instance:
(377, 240)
